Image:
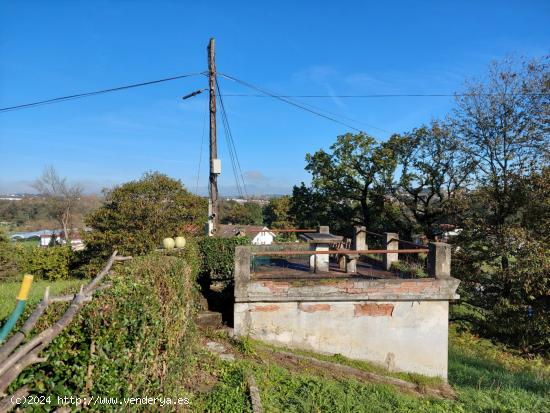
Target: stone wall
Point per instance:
(401, 324)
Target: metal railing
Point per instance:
(369, 254)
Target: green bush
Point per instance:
(137, 215)
(217, 256)
(517, 292)
(51, 263)
(409, 269)
(9, 257)
(132, 340)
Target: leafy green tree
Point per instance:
(277, 213)
(307, 207)
(232, 212)
(434, 175)
(137, 215)
(355, 179)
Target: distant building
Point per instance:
(77, 243)
(44, 238)
(258, 235)
(259, 201)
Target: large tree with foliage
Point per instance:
(435, 173)
(137, 215)
(504, 124)
(503, 260)
(277, 213)
(355, 178)
(233, 212)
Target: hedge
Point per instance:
(132, 340)
(217, 256)
(51, 263)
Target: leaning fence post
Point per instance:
(392, 243)
(439, 260)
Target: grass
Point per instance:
(9, 290)
(486, 377)
(29, 243)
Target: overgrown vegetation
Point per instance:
(132, 339)
(409, 269)
(217, 256)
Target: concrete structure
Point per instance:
(392, 243)
(401, 324)
(320, 241)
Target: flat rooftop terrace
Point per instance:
(296, 268)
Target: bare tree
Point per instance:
(504, 125)
(62, 197)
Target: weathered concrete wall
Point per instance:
(403, 336)
(398, 323)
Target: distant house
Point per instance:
(46, 239)
(76, 240)
(258, 235)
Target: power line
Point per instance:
(97, 92)
(289, 101)
(200, 153)
(387, 95)
(344, 117)
(232, 148)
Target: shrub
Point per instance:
(137, 215)
(513, 298)
(409, 269)
(217, 256)
(50, 263)
(9, 257)
(132, 340)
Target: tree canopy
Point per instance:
(137, 215)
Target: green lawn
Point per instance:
(486, 377)
(9, 290)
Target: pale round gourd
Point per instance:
(168, 243)
(180, 242)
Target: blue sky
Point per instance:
(56, 48)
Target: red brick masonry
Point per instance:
(373, 310)
(313, 308)
(265, 308)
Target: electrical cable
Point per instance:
(289, 101)
(97, 92)
(231, 142)
(387, 95)
(200, 153)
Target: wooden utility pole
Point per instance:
(215, 164)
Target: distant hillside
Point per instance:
(31, 212)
